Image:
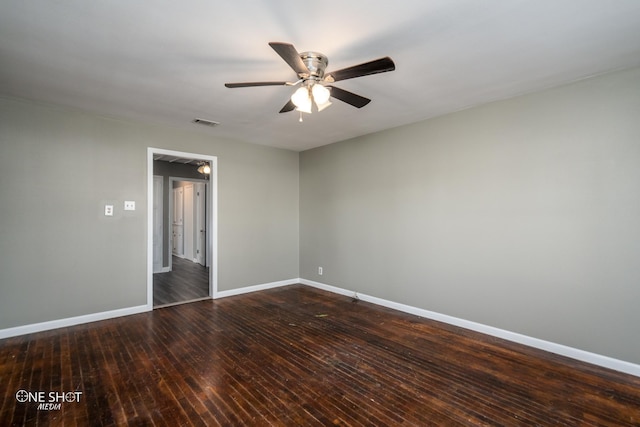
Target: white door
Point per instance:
(201, 222)
(158, 226)
(188, 223)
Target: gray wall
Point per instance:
(61, 257)
(522, 214)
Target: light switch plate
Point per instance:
(108, 210)
(129, 205)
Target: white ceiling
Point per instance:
(167, 61)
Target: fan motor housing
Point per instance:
(316, 63)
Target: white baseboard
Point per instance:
(163, 270)
(563, 350)
(71, 321)
(254, 288)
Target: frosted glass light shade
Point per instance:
(302, 100)
(320, 94)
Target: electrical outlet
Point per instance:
(319, 271)
(129, 205)
(108, 210)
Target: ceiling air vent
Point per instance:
(206, 122)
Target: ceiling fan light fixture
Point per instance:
(310, 71)
(204, 169)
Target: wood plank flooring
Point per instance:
(187, 281)
(298, 356)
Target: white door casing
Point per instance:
(158, 223)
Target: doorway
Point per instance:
(198, 264)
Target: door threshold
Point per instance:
(171, 304)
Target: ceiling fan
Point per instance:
(315, 83)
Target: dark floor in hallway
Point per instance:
(187, 281)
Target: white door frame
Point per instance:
(158, 223)
(212, 218)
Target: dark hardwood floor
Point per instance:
(298, 356)
(187, 281)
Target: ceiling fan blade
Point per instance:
(349, 97)
(289, 106)
(252, 84)
(376, 66)
(290, 56)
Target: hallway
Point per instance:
(187, 281)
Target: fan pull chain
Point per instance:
(300, 120)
